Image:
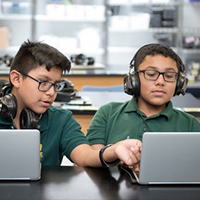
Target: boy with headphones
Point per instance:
(35, 79)
(156, 75)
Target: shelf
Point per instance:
(193, 3)
(47, 18)
(15, 17)
(99, 51)
(191, 51)
(117, 34)
(11, 49)
(138, 3)
(122, 49)
(191, 30)
(152, 30)
(127, 49)
(125, 3)
(85, 67)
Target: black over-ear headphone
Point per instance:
(6, 60)
(132, 81)
(8, 109)
(81, 59)
(68, 93)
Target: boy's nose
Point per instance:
(51, 90)
(160, 78)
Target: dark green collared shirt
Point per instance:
(60, 134)
(114, 122)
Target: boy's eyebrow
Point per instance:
(40, 76)
(167, 69)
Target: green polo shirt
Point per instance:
(60, 134)
(114, 122)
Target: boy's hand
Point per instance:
(129, 152)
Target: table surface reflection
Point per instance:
(72, 182)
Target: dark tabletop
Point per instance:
(69, 182)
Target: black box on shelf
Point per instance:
(168, 23)
(163, 17)
(165, 38)
(155, 20)
(191, 42)
(169, 14)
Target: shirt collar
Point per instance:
(44, 122)
(6, 121)
(133, 107)
(168, 110)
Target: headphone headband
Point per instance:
(181, 66)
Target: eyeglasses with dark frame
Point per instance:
(152, 75)
(44, 86)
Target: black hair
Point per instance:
(155, 49)
(35, 54)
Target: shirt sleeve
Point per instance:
(72, 136)
(96, 133)
(195, 125)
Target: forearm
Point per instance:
(128, 151)
(84, 155)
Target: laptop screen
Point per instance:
(170, 158)
(20, 154)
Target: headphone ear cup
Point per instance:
(9, 106)
(132, 84)
(29, 119)
(8, 60)
(4, 86)
(90, 61)
(67, 94)
(181, 85)
(73, 58)
(80, 59)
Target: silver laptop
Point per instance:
(170, 158)
(20, 154)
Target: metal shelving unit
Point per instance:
(132, 37)
(63, 28)
(117, 44)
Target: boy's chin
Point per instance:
(40, 111)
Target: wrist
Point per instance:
(103, 162)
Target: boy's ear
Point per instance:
(15, 78)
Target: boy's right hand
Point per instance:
(129, 152)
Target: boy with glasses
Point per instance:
(35, 79)
(156, 75)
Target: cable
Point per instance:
(148, 129)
